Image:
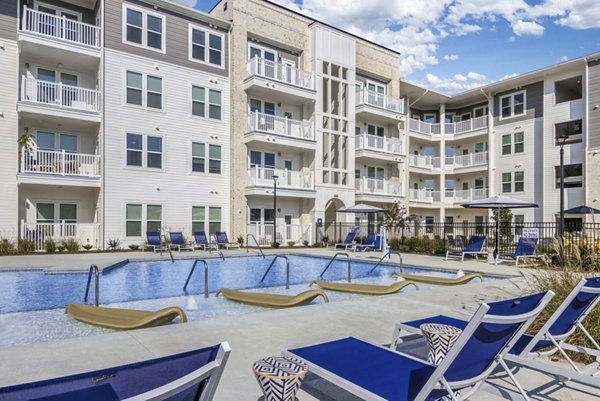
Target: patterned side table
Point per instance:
(440, 338)
(280, 377)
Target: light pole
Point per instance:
(561, 139)
(275, 243)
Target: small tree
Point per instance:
(26, 141)
(397, 218)
(504, 217)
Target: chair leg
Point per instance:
(513, 379)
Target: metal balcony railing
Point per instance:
(60, 163)
(280, 72)
(376, 99)
(280, 126)
(61, 28)
(379, 143)
(377, 186)
(287, 179)
(61, 95)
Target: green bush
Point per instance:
(25, 245)
(7, 247)
(134, 247)
(60, 248)
(240, 240)
(71, 245)
(395, 244)
(113, 244)
(305, 242)
(50, 245)
(290, 244)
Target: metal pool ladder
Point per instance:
(93, 269)
(219, 251)
(248, 236)
(388, 253)
(287, 270)
(205, 276)
(168, 248)
(331, 261)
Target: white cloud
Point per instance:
(456, 83)
(451, 57)
(532, 28)
(475, 76)
(514, 74)
(459, 78)
(564, 58)
(189, 3)
(512, 39)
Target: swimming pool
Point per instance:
(32, 302)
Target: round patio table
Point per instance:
(280, 377)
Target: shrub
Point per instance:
(290, 244)
(71, 245)
(87, 247)
(305, 242)
(240, 240)
(60, 248)
(7, 247)
(50, 245)
(134, 247)
(325, 239)
(394, 244)
(113, 244)
(25, 245)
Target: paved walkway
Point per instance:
(256, 335)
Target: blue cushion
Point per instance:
(439, 319)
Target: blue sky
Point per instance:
(455, 45)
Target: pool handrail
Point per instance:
(248, 236)
(385, 255)
(210, 241)
(331, 261)
(287, 270)
(164, 237)
(205, 276)
(94, 269)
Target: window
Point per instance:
(506, 145)
(572, 175)
(143, 28)
(199, 102)
(45, 213)
(429, 117)
(140, 218)
(506, 182)
(198, 219)
(135, 90)
(214, 219)
(516, 185)
(512, 105)
(198, 157)
(428, 224)
(214, 159)
(138, 144)
(518, 145)
(518, 220)
(481, 111)
(255, 215)
(513, 143)
(519, 181)
(199, 51)
(572, 129)
(375, 130)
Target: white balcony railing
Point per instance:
(380, 100)
(424, 195)
(472, 124)
(280, 126)
(429, 162)
(263, 232)
(468, 160)
(280, 72)
(38, 233)
(60, 163)
(263, 176)
(465, 195)
(58, 94)
(425, 127)
(377, 186)
(379, 143)
(61, 28)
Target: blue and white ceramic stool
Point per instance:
(280, 377)
(440, 339)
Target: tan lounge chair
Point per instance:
(272, 300)
(368, 289)
(123, 319)
(439, 280)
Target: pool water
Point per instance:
(32, 302)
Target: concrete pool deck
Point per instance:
(260, 334)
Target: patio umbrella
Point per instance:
(583, 209)
(498, 202)
(362, 208)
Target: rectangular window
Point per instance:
(512, 105)
(133, 221)
(45, 213)
(198, 157)
(67, 212)
(506, 145)
(513, 143)
(154, 92)
(136, 219)
(134, 150)
(519, 181)
(518, 144)
(572, 175)
(198, 219)
(480, 111)
(199, 51)
(214, 219)
(571, 130)
(136, 89)
(518, 219)
(198, 101)
(153, 218)
(154, 152)
(214, 159)
(138, 145)
(143, 29)
(255, 215)
(214, 104)
(506, 182)
(429, 224)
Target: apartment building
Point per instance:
(126, 106)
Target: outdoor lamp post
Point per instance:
(275, 243)
(561, 139)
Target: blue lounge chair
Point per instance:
(525, 250)
(474, 247)
(223, 241)
(154, 240)
(178, 242)
(201, 241)
(374, 372)
(191, 375)
(349, 240)
(551, 338)
(368, 244)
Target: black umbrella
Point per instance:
(583, 209)
(498, 202)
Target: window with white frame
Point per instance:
(513, 182)
(513, 143)
(214, 159)
(375, 130)
(512, 105)
(137, 84)
(198, 219)
(141, 218)
(56, 212)
(518, 220)
(481, 111)
(198, 157)
(572, 175)
(214, 219)
(573, 130)
(203, 99)
(205, 46)
(138, 145)
(142, 28)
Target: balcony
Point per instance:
(425, 162)
(279, 81)
(280, 131)
(373, 189)
(431, 130)
(467, 161)
(263, 232)
(84, 233)
(289, 183)
(467, 126)
(379, 106)
(425, 196)
(59, 99)
(378, 147)
(61, 168)
(457, 197)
